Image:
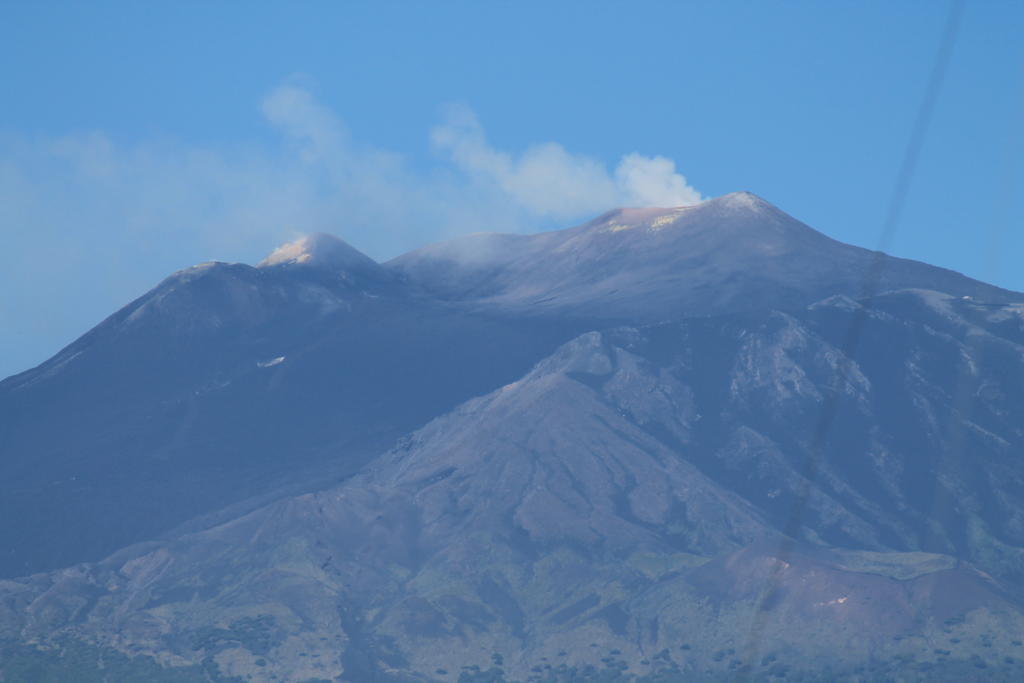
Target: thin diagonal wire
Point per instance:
(851, 342)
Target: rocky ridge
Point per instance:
(584, 475)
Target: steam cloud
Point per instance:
(548, 180)
(112, 218)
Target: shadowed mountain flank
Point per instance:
(629, 491)
(227, 383)
(594, 454)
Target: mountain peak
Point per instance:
(656, 218)
(318, 250)
(737, 203)
(741, 199)
(735, 252)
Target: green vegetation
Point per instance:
(81, 663)
(255, 634)
(662, 668)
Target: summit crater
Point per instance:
(732, 253)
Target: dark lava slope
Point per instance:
(621, 507)
(228, 382)
(704, 382)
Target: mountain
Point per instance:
(228, 383)
(630, 492)
(717, 460)
(732, 253)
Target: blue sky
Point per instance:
(140, 138)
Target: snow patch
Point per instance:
(629, 219)
(664, 221)
(617, 227)
(742, 201)
(320, 250)
(830, 603)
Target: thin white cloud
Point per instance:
(297, 114)
(89, 221)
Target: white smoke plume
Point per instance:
(89, 222)
(548, 180)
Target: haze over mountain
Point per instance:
(600, 448)
(732, 253)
